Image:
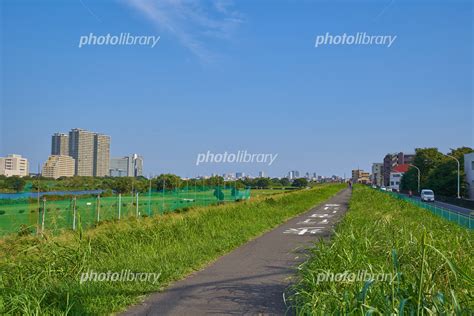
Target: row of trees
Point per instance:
(438, 171)
(12, 184)
(139, 184)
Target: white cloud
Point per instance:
(192, 22)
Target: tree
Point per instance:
(285, 182)
(170, 182)
(300, 182)
(438, 172)
(15, 183)
(443, 178)
(122, 185)
(410, 180)
(262, 182)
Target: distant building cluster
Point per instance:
(387, 173)
(77, 153)
(128, 166)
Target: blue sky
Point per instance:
(229, 76)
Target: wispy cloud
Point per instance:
(192, 22)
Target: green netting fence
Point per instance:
(57, 215)
(465, 220)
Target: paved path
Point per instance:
(250, 280)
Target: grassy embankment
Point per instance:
(41, 276)
(430, 258)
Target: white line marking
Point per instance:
(334, 212)
(304, 230)
(307, 222)
(332, 204)
(325, 221)
(326, 208)
(320, 215)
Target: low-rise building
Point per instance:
(396, 176)
(14, 165)
(58, 166)
(469, 171)
(360, 176)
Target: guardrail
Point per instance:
(461, 219)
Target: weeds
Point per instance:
(41, 276)
(430, 258)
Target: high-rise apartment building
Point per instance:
(138, 165)
(101, 155)
(60, 144)
(293, 174)
(81, 148)
(13, 165)
(91, 151)
(58, 166)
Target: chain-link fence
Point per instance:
(56, 215)
(465, 220)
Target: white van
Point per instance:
(427, 195)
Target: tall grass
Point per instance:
(430, 258)
(41, 276)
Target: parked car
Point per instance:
(427, 195)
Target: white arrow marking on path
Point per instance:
(303, 230)
(332, 204)
(320, 215)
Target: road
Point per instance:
(451, 207)
(252, 279)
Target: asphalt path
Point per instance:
(252, 279)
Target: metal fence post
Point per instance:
(98, 208)
(74, 214)
(43, 215)
(119, 204)
(137, 205)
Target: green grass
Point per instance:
(59, 213)
(430, 258)
(41, 276)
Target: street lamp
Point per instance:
(459, 171)
(419, 174)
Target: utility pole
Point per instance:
(459, 174)
(419, 175)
